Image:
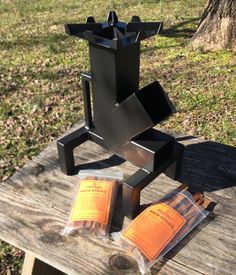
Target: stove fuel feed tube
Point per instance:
(120, 117)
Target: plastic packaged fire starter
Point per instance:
(161, 226)
(94, 202)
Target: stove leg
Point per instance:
(66, 146)
(131, 191)
(174, 170)
(131, 201)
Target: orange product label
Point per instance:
(154, 228)
(92, 201)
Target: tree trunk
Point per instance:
(217, 28)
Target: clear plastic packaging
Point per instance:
(161, 226)
(94, 203)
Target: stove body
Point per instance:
(113, 78)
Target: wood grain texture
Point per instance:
(35, 203)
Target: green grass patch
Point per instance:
(11, 259)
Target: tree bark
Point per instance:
(217, 29)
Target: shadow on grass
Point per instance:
(177, 30)
(152, 49)
(52, 41)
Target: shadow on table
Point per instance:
(208, 166)
(112, 161)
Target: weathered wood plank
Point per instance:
(35, 203)
(28, 265)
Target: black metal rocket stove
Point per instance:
(122, 115)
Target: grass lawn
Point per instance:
(40, 88)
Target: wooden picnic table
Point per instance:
(35, 203)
